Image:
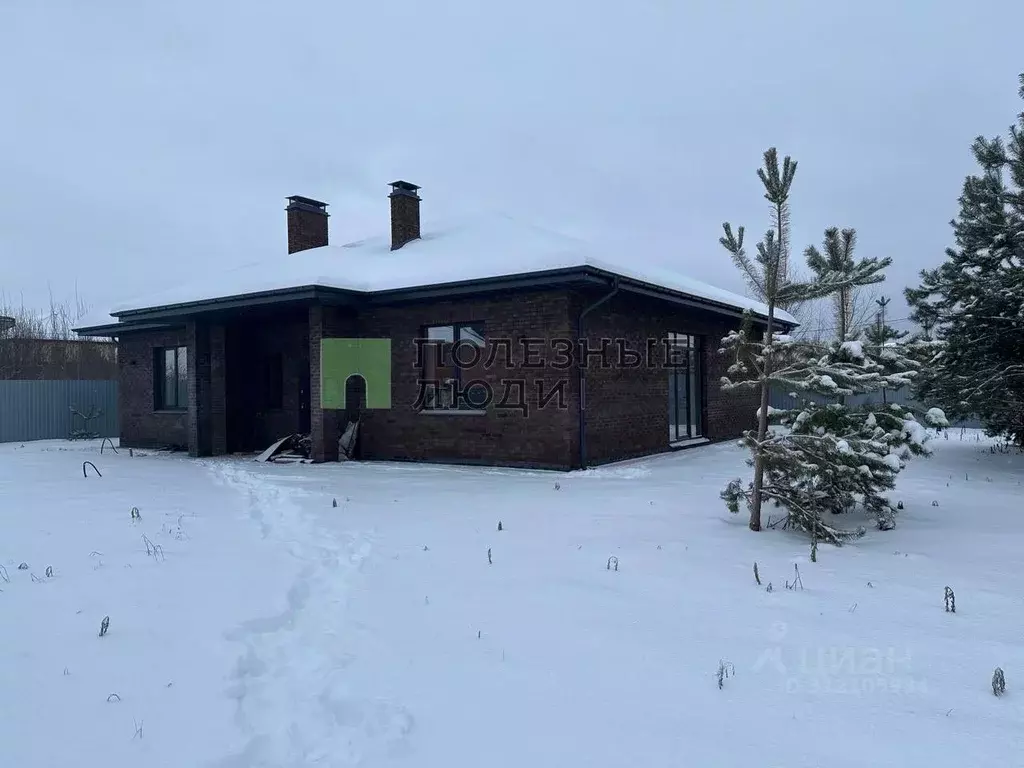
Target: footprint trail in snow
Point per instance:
(293, 705)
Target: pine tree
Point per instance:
(890, 346)
(777, 181)
(838, 257)
(829, 456)
(880, 335)
(973, 303)
(754, 366)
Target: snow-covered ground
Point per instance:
(272, 628)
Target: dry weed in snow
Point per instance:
(998, 682)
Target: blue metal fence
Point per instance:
(780, 398)
(43, 410)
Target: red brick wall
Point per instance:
(541, 438)
(141, 426)
(207, 394)
(627, 408)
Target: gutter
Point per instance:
(583, 371)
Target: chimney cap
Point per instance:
(403, 188)
(298, 202)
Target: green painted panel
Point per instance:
(342, 358)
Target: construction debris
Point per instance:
(288, 450)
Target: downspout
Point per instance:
(583, 371)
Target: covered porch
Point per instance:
(253, 377)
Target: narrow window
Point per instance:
(170, 378)
(685, 387)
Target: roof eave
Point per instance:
(113, 330)
(108, 331)
(554, 277)
(237, 301)
(641, 287)
(542, 279)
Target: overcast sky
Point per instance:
(143, 142)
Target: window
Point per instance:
(452, 359)
(274, 382)
(685, 387)
(170, 379)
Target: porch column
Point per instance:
(207, 426)
(218, 391)
(198, 341)
(323, 424)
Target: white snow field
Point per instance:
(272, 628)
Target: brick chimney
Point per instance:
(307, 223)
(405, 214)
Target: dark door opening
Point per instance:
(355, 397)
(304, 401)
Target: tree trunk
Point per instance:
(762, 423)
(783, 270)
(843, 301)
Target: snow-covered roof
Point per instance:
(486, 247)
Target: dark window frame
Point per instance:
(160, 400)
(427, 399)
(694, 347)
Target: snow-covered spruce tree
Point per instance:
(974, 301)
(891, 347)
(882, 335)
(837, 256)
(886, 360)
(826, 457)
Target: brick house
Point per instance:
(509, 345)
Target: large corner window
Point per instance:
(452, 359)
(170, 379)
(685, 387)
